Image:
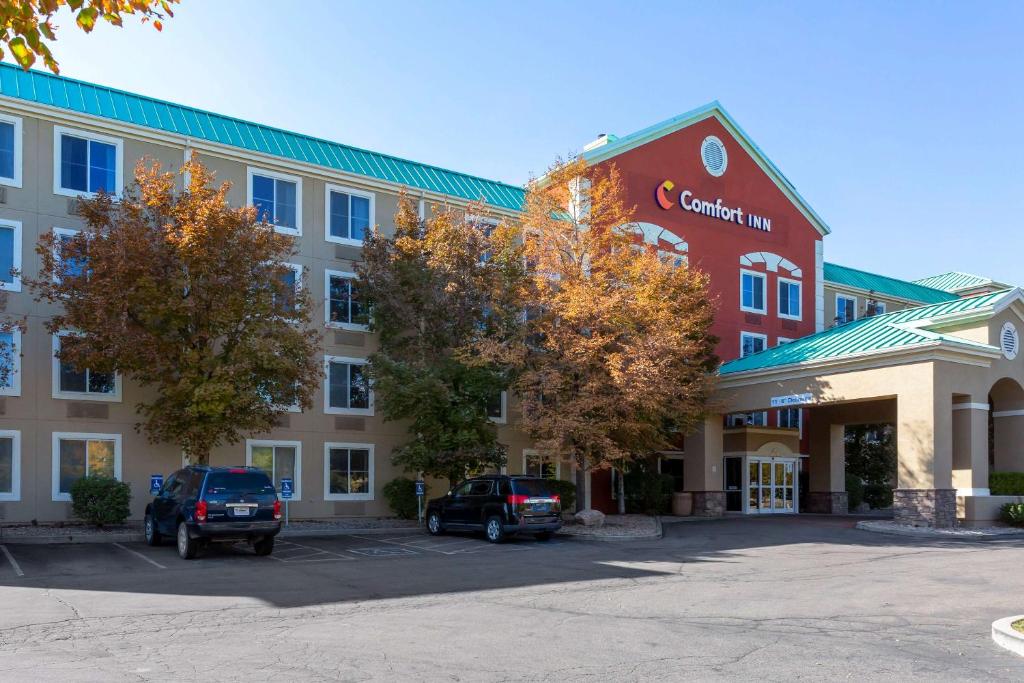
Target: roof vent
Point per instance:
(602, 140)
(714, 156)
(1009, 341)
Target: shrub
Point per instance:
(566, 490)
(878, 495)
(401, 496)
(1013, 513)
(648, 491)
(854, 491)
(1006, 483)
(101, 500)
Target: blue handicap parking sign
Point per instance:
(421, 487)
(286, 488)
(155, 482)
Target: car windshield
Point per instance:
(238, 482)
(531, 487)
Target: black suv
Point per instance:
(200, 504)
(499, 506)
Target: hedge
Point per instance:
(1006, 483)
(101, 500)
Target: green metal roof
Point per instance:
(955, 281)
(97, 100)
(881, 284)
(878, 333)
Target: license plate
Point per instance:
(540, 507)
(241, 512)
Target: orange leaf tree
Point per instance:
(26, 25)
(190, 298)
(616, 357)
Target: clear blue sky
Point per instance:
(899, 122)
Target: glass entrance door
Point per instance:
(771, 485)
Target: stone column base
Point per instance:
(925, 507)
(826, 502)
(708, 503)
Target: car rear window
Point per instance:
(238, 482)
(531, 487)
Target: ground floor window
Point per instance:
(279, 459)
(76, 455)
(537, 465)
(10, 465)
(348, 471)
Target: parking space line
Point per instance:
(14, 562)
(314, 556)
(140, 556)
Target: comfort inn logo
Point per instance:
(715, 209)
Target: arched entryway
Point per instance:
(1006, 426)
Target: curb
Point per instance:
(1006, 636)
(138, 537)
(659, 532)
(925, 532)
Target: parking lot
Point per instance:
(772, 599)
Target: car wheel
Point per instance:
(188, 547)
(494, 529)
(152, 535)
(264, 546)
(544, 536)
(434, 526)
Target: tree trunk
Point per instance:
(621, 491)
(581, 489)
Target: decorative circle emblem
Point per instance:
(714, 156)
(1009, 341)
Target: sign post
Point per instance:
(156, 482)
(421, 490)
(286, 495)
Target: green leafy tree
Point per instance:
(436, 289)
(27, 25)
(871, 458)
(189, 297)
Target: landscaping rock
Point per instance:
(594, 518)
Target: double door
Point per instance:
(771, 485)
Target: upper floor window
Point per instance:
(278, 199)
(752, 286)
(789, 418)
(874, 307)
(846, 309)
(789, 299)
(751, 342)
(343, 308)
(85, 384)
(10, 150)
(348, 388)
(86, 163)
(290, 277)
(10, 362)
(349, 215)
(10, 255)
(68, 263)
(497, 408)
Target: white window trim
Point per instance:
(503, 418)
(758, 335)
(15, 284)
(297, 445)
(348, 275)
(15, 388)
(327, 471)
(251, 171)
(800, 298)
(78, 395)
(328, 189)
(328, 409)
(118, 143)
(527, 452)
(15, 436)
(80, 436)
(849, 298)
(14, 181)
(883, 304)
(779, 341)
(799, 419)
(764, 291)
(57, 233)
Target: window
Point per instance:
(10, 255)
(348, 471)
(783, 340)
(87, 385)
(497, 408)
(74, 266)
(10, 465)
(350, 215)
(348, 390)
(486, 226)
(752, 286)
(10, 363)
(10, 150)
(536, 465)
(343, 307)
(789, 299)
(78, 455)
(846, 309)
(279, 459)
(874, 307)
(751, 343)
(278, 200)
(789, 418)
(758, 419)
(85, 163)
(291, 280)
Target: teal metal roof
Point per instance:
(955, 281)
(88, 98)
(878, 333)
(882, 285)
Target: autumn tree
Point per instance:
(188, 297)
(27, 25)
(436, 289)
(616, 357)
